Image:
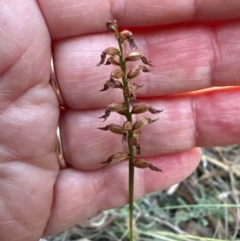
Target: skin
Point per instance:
(39, 199)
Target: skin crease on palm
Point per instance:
(38, 199)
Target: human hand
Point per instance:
(39, 199)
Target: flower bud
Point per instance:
(142, 163)
(112, 84)
(118, 84)
(131, 90)
(124, 35)
(127, 125)
(135, 72)
(115, 60)
(111, 51)
(134, 87)
(117, 73)
(134, 56)
(117, 129)
(142, 122)
(116, 107)
(121, 112)
(128, 93)
(138, 109)
(111, 25)
(136, 142)
(127, 35)
(112, 108)
(119, 156)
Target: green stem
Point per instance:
(130, 134)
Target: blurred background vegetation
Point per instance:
(204, 207)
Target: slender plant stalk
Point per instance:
(129, 130)
(130, 134)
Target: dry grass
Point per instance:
(203, 207)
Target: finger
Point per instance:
(80, 195)
(201, 119)
(26, 97)
(186, 59)
(25, 51)
(25, 204)
(72, 18)
(28, 120)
